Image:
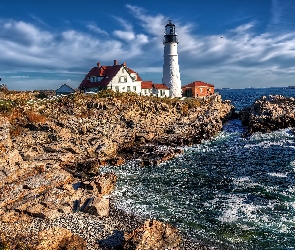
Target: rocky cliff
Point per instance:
(269, 113)
(51, 149)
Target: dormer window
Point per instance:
(123, 79)
(134, 76)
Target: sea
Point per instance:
(229, 192)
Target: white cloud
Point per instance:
(242, 57)
(127, 26)
(242, 29)
(18, 77)
(153, 25)
(125, 35)
(94, 28)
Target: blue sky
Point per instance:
(235, 44)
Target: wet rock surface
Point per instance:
(51, 152)
(269, 113)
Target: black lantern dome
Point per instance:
(170, 35)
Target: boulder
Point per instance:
(57, 238)
(153, 235)
(99, 207)
(269, 113)
(103, 184)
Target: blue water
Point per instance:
(241, 98)
(230, 192)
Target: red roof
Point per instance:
(132, 71)
(198, 84)
(108, 72)
(160, 86)
(147, 85)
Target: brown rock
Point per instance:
(5, 141)
(60, 238)
(99, 207)
(269, 113)
(104, 184)
(10, 217)
(153, 235)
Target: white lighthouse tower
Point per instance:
(171, 75)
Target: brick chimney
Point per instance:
(98, 64)
(115, 62)
(124, 64)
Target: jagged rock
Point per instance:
(60, 238)
(269, 113)
(5, 140)
(99, 207)
(103, 184)
(153, 235)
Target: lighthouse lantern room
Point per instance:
(171, 75)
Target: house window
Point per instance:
(145, 91)
(201, 90)
(122, 70)
(117, 88)
(99, 78)
(134, 88)
(128, 88)
(123, 78)
(93, 79)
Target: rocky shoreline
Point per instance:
(269, 113)
(51, 151)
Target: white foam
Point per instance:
(267, 144)
(281, 175)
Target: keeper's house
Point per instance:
(119, 77)
(197, 89)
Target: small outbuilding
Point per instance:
(64, 90)
(148, 88)
(197, 89)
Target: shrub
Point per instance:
(3, 88)
(34, 117)
(41, 95)
(5, 106)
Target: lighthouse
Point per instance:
(171, 75)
